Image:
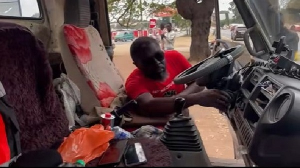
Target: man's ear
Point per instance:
(136, 64)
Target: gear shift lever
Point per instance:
(179, 106)
(183, 140)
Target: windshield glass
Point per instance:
(279, 18)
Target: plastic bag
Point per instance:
(121, 134)
(85, 144)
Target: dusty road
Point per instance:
(212, 126)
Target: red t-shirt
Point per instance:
(138, 84)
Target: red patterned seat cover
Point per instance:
(93, 62)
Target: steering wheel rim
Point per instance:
(197, 71)
(216, 48)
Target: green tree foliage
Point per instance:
(237, 18)
(181, 22)
(290, 10)
(124, 12)
(128, 12)
(294, 4)
(191, 13)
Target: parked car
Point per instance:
(295, 28)
(238, 32)
(232, 26)
(124, 36)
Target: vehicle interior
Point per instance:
(70, 40)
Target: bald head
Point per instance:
(148, 57)
(141, 46)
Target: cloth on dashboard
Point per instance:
(148, 131)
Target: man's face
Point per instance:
(152, 63)
(169, 27)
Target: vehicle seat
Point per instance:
(27, 77)
(87, 62)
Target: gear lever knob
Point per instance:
(179, 106)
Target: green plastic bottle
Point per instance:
(79, 163)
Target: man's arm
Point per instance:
(192, 88)
(183, 64)
(159, 107)
(148, 105)
(197, 86)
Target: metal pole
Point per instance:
(217, 16)
(20, 9)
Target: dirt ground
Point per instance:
(212, 125)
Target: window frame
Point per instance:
(40, 6)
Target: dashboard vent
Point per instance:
(244, 128)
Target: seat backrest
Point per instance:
(87, 53)
(27, 77)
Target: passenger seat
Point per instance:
(87, 62)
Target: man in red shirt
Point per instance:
(152, 86)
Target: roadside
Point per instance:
(212, 125)
(178, 34)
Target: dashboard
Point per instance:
(266, 118)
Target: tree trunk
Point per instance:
(200, 16)
(199, 49)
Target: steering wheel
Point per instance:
(217, 45)
(209, 65)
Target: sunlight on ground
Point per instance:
(212, 125)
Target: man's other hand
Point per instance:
(214, 98)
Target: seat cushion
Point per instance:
(93, 62)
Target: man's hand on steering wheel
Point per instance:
(202, 74)
(214, 98)
(209, 65)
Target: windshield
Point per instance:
(278, 18)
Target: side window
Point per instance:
(20, 9)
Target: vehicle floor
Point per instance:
(212, 125)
